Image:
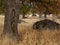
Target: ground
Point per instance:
(29, 36)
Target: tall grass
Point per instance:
(29, 36)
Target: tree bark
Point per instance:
(40, 14)
(34, 14)
(11, 19)
(24, 16)
(45, 16)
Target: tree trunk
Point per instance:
(11, 19)
(24, 16)
(45, 16)
(33, 14)
(40, 14)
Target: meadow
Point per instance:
(29, 36)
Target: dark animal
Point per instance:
(46, 24)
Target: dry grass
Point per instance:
(30, 36)
(44, 37)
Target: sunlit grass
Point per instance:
(30, 36)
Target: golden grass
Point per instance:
(30, 36)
